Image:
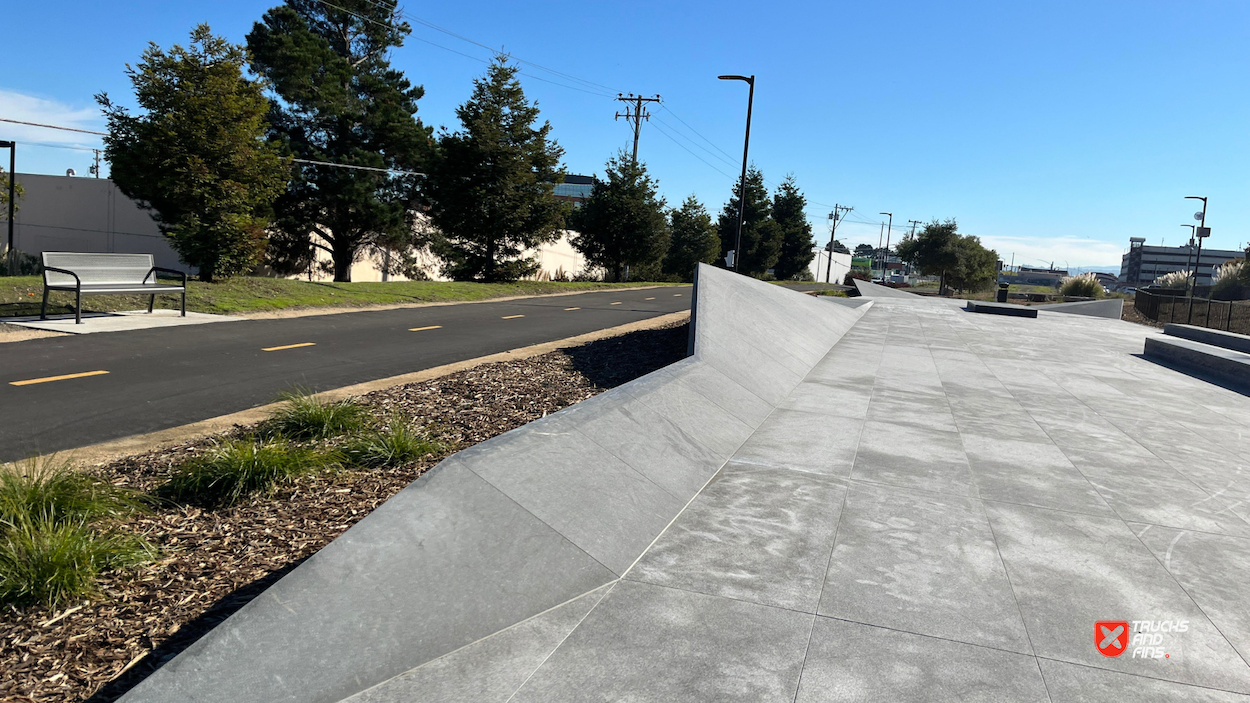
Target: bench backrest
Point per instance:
(97, 268)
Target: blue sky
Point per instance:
(1055, 131)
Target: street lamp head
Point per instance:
(5, 144)
(748, 79)
(886, 213)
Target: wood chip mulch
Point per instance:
(215, 561)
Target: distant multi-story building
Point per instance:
(574, 189)
(1143, 264)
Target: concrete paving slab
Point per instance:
(1030, 474)
(756, 534)
(581, 490)
(489, 670)
(647, 643)
(1215, 572)
(1155, 493)
(127, 321)
(805, 441)
(1069, 571)
(452, 560)
(924, 563)
(850, 662)
(906, 456)
(1069, 682)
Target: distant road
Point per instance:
(162, 378)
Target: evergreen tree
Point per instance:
(865, 250)
(934, 250)
(197, 155)
(622, 223)
(839, 247)
(490, 184)
(796, 232)
(339, 101)
(693, 239)
(975, 266)
(761, 237)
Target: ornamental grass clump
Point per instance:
(235, 469)
(59, 531)
(307, 417)
(1230, 278)
(1173, 280)
(1085, 285)
(399, 443)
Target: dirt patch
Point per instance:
(214, 562)
(14, 333)
(1130, 314)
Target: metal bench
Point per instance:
(105, 274)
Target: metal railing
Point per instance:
(1173, 306)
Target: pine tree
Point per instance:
(796, 232)
(197, 155)
(761, 237)
(622, 223)
(693, 239)
(339, 100)
(490, 184)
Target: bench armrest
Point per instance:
(158, 269)
(46, 269)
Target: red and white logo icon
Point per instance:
(1111, 637)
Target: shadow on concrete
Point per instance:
(610, 362)
(189, 634)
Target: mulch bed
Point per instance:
(215, 561)
(1130, 314)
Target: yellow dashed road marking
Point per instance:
(677, 295)
(422, 329)
(568, 309)
(651, 298)
(66, 377)
(616, 303)
(512, 317)
(290, 346)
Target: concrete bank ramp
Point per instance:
(1112, 308)
(532, 522)
(873, 290)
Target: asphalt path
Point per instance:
(162, 378)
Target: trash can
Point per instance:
(1002, 292)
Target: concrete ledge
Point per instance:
(520, 524)
(1216, 338)
(1224, 365)
(1001, 309)
(873, 290)
(1111, 308)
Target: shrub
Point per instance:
(1176, 279)
(399, 444)
(49, 562)
(238, 468)
(307, 417)
(1085, 285)
(52, 490)
(55, 536)
(1229, 278)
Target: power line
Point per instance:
(731, 164)
(683, 146)
(52, 126)
(358, 168)
(735, 163)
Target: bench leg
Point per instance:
(43, 310)
(151, 302)
(78, 307)
(184, 303)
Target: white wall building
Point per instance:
(835, 264)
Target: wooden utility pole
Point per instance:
(836, 217)
(637, 116)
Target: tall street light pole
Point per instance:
(746, 146)
(885, 255)
(12, 147)
(1200, 233)
(1190, 255)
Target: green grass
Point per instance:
(58, 532)
(53, 563)
(398, 444)
(306, 417)
(236, 469)
(21, 295)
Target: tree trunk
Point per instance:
(488, 274)
(342, 266)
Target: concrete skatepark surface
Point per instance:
(901, 501)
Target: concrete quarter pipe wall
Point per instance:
(534, 521)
